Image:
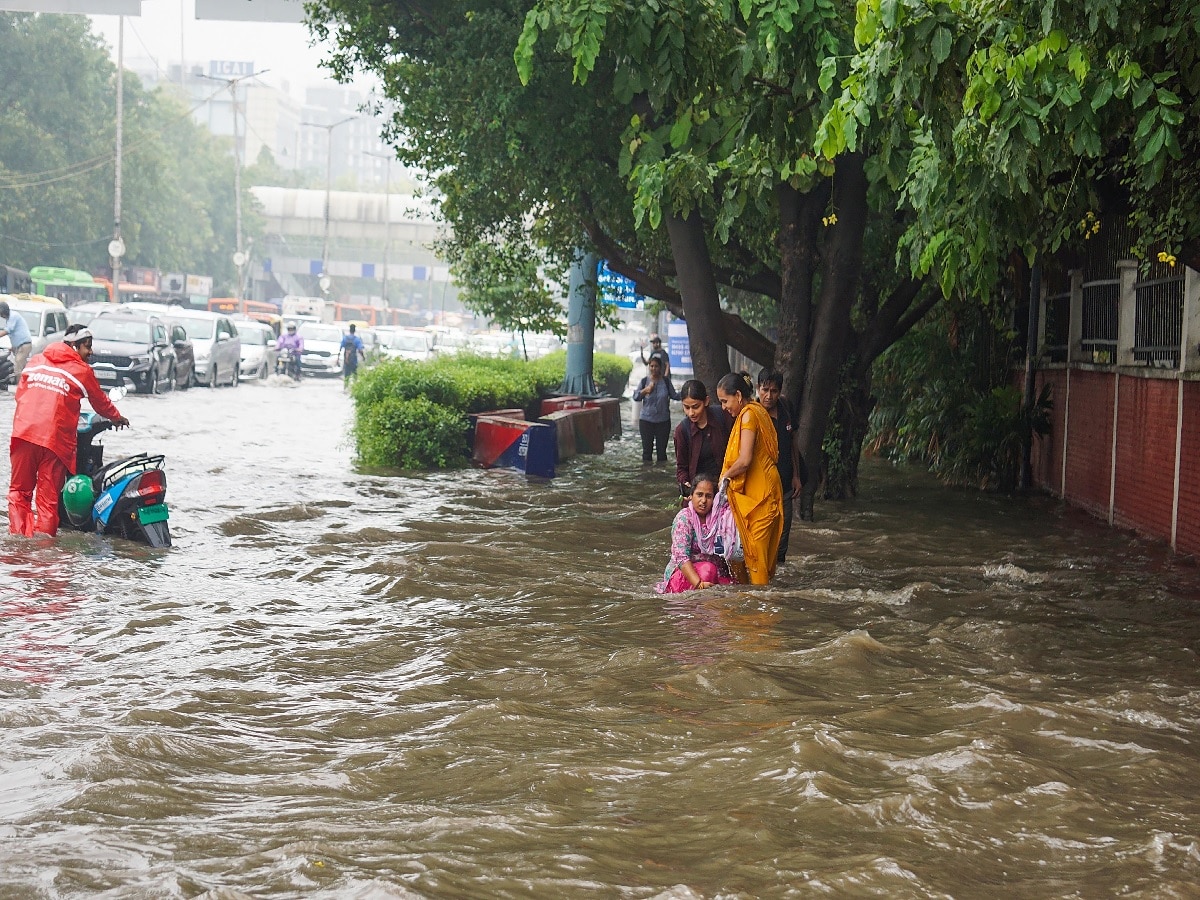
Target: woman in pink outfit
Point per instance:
(702, 531)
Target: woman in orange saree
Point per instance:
(754, 492)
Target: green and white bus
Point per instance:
(70, 286)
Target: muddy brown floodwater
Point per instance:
(348, 685)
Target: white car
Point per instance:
(45, 316)
(258, 348)
(215, 342)
(82, 313)
(321, 345)
(406, 343)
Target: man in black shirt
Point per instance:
(791, 469)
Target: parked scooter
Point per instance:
(6, 368)
(288, 363)
(125, 498)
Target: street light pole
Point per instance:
(239, 254)
(116, 247)
(387, 219)
(323, 279)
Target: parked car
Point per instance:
(132, 346)
(321, 345)
(45, 316)
(215, 344)
(447, 342)
(258, 348)
(406, 343)
(82, 313)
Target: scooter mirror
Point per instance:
(117, 393)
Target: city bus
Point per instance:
(70, 286)
(14, 281)
(227, 305)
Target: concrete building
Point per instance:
(379, 250)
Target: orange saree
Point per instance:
(756, 496)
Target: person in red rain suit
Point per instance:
(51, 388)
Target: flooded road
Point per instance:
(345, 685)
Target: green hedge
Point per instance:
(413, 415)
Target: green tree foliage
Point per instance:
(1022, 117)
(57, 161)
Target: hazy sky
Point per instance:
(156, 36)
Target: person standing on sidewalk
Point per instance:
(13, 326)
(44, 436)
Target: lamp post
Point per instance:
(116, 247)
(324, 280)
(387, 218)
(239, 255)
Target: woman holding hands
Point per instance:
(754, 492)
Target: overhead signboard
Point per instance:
(198, 285)
(229, 68)
(75, 7)
(251, 10)
(679, 348)
(617, 289)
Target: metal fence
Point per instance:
(1158, 321)
(1101, 301)
(1058, 326)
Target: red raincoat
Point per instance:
(52, 386)
(44, 437)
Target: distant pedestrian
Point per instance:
(656, 352)
(791, 467)
(349, 353)
(13, 325)
(656, 393)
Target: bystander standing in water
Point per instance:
(791, 467)
(656, 393)
(349, 353)
(17, 331)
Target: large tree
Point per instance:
(680, 137)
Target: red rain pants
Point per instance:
(37, 475)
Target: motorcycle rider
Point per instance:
(294, 344)
(43, 443)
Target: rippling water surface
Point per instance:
(355, 685)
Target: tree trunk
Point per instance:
(701, 302)
(848, 424)
(840, 270)
(797, 244)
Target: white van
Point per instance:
(45, 316)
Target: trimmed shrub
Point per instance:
(413, 415)
(410, 434)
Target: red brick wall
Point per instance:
(1148, 413)
(1187, 536)
(1089, 443)
(1047, 450)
